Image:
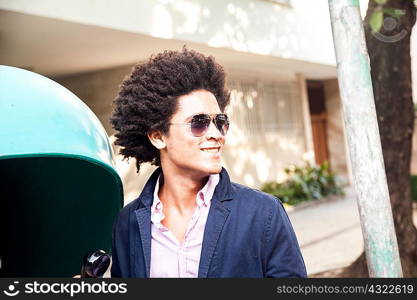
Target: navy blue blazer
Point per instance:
(247, 234)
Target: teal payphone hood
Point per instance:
(59, 188)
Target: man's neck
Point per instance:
(178, 191)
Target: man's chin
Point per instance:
(208, 170)
(215, 170)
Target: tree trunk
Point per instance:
(389, 51)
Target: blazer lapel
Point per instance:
(143, 217)
(215, 222)
(214, 225)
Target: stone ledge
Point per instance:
(310, 203)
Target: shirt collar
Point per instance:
(203, 196)
(157, 204)
(206, 193)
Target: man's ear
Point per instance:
(157, 139)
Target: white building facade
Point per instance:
(278, 55)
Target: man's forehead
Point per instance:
(197, 103)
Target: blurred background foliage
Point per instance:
(306, 183)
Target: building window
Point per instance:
(265, 109)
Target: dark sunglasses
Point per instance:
(200, 123)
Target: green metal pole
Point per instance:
(364, 143)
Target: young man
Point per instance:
(190, 220)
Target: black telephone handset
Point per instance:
(95, 264)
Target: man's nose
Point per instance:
(213, 132)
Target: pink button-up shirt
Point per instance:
(169, 258)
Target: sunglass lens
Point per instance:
(222, 123)
(199, 124)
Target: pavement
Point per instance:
(329, 232)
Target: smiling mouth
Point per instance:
(211, 150)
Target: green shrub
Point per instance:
(305, 183)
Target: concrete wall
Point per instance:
(336, 137)
(301, 31)
(251, 158)
(267, 132)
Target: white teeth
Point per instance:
(214, 150)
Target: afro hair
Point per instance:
(147, 98)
